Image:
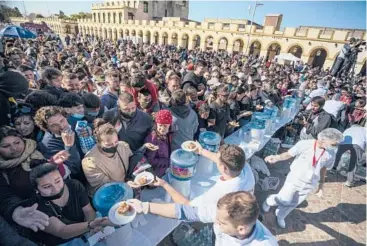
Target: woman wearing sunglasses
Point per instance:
(23, 122)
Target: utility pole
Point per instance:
(252, 21)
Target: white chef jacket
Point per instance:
(302, 172)
(261, 236)
(207, 202)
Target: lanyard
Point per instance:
(314, 161)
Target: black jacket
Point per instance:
(318, 122)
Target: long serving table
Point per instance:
(156, 228)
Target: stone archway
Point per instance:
(273, 50)
(100, 33)
(174, 39)
(127, 33)
(133, 33)
(196, 41)
(146, 38)
(140, 34)
(164, 38)
(110, 34)
(121, 33)
(155, 37)
(115, 36)
(238, 46)
(255, 48)
(184, 41)
(222, 43)
(208, 43)
(317, 57)
(296, 50)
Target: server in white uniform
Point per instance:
(236, 219)
(307, 171)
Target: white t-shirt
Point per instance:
(302, 172)
(207, 202)
(261, 236)
(355, 135)
(333, 107)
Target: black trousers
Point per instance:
(337, 66)
(353, 155)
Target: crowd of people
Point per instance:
(83, 112)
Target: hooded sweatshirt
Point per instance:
(184, 125)
(12, 84)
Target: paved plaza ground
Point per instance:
(338, 218)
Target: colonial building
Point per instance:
(317, 46)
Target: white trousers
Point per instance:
(289, 197)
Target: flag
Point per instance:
(249, 9)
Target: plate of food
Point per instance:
(234, 124)
(122, 213)
(189, 146)
(144, 178)
(247, 113)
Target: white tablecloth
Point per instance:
(158, 227)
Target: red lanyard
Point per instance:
(314, 161)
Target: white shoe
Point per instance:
(265, 207)
(280, 222)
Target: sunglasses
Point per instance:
(23, 109)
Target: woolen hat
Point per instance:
(163, 117)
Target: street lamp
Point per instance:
(252, 21)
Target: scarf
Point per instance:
(30, 153)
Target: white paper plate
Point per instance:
(119, 219)
(185, 144)
(150, 178)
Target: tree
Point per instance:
(62, 15)
(17, 12)
(39, 16)
(7, 12)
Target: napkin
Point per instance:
(108, 230)
(138, 221)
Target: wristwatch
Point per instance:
(89, 227)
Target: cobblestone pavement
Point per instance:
(337, 218)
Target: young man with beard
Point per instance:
(110, 95)
(196, 78)
(145, 102)
(135, 124)
(59, 136)
(316, 120)
(236, 219)
(139, 82)
(220, 113)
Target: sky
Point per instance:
(340, 14)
